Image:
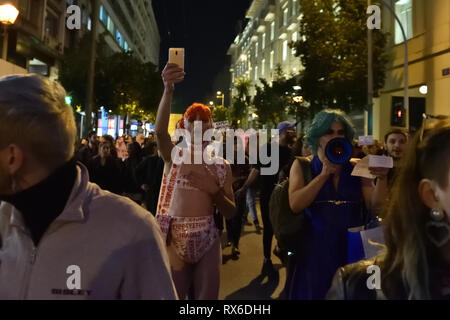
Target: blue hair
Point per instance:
(322, 123)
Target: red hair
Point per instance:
(180, 124)
(198, 110)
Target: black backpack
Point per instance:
(288, 227)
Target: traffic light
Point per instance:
(69, 100)
(398, 113)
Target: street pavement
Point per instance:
(241, 279)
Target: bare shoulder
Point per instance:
(296, 172)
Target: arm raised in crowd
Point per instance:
(171, 75)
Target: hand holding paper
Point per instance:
(364, 166)
(361, 169)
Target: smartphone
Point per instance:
(176, 56)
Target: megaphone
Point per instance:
(338, 150)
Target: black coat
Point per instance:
(150, 172)
(109, 176)
(129, 181)
(86, 154)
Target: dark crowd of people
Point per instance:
(69, 198)
(128, 166)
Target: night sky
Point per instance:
(206, 29)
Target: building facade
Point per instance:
(131, 26)
(264, 42)
(272, 24)
(263, 45)
(36, 40)
(427, 27)
(127, 25)
(39, 38)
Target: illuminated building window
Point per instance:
(110, 25)
(111, 126)
(403, 9)
(272, 31)
(294, 7)
(119, 38)
(285, 16)
(294, 39)
(103, 15)
(271, 59)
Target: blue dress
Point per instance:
(324, 246)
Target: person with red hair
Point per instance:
(189, 195)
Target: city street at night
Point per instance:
(224, 158)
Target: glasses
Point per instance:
(428, 117)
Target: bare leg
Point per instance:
(207, 274)
(181, 273)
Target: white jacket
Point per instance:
(102, 246)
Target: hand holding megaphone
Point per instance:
(328, 168)
(337, 151)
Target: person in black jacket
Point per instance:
(415, 264)
(287, 131)
(86, 153)
(149, 174)
(104, 169)
(130, 185)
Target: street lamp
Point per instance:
(211, 103)
(298, 99)
(423, 89)
(220, 95)
(8, 16)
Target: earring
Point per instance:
(437, 214)
(438, 231)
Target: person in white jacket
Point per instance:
(62, 237)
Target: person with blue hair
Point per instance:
(333, 201)
(321, 125)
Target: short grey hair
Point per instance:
(35, 116)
